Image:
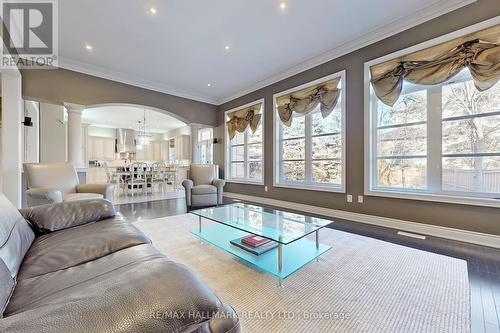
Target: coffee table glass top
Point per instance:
(282, 227)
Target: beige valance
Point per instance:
(479, 52)
(304, 101)
(240, 119)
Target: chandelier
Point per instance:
(143, 139)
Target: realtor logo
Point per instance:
(29, 33)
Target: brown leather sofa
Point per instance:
(79, 267)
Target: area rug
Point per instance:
(361, 285)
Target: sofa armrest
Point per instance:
(43, 195)
(188, 185)
(219, 183)
(105, 189)
(48, 218)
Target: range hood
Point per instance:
(125, 141)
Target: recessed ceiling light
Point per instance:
(153, 11)
(227, 47)
(283, 5)
(209, 84)
(89, 47)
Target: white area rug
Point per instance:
(360, 285)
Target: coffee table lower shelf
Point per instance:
(294, 255)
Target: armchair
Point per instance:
(204, 188)
(58, 182)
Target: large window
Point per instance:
(440, 140)
(244, 153)
(310, 152)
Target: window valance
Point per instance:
(304, 101)
(479, 52)
(239, 120)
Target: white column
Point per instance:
(75, 134)
(85, 144)
(195, 149)
(11, 153)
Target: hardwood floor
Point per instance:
(483, 262)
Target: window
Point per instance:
(205, 134)
(310, 153)
(244, 153)
(205, 144)
(440, 140)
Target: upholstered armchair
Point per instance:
(57, 182)
(204, 188)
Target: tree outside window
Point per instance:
(439, 139)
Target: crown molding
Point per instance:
(382, 32)
(392, 28)
(105, 73)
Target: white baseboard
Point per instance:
(419, 228)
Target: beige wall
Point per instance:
(64, 86)
(474, 218)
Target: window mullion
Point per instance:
(308, 149)
(280, 152)
(434, 139)
(373, 175)
(245, 155)
(229, 155)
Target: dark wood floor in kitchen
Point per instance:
(483, 262)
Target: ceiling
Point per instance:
(129, 117)
(181, 48)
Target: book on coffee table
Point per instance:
(268, 246)
(254, 240)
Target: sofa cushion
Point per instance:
(6, 287)
(16, 236)
(204, 189)
(81, 196)
(133, 290)
(33, 291)
(70, 247)
(64, 215)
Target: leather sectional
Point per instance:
(79, 267)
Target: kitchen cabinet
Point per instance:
(140, 154)
(182, 148)
(164, 150)
(156, 145)
(156, 151)
(101, 148)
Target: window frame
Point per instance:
(227, 148)
(370, 129)
(308, 138)
(205, 129)
(207, 142)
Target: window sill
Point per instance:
(443, 198)
(309, 187)
(244, 181)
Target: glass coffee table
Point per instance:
(288, 230)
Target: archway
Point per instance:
(152, 108)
